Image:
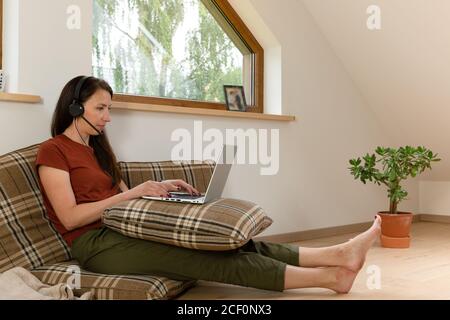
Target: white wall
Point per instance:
(434, 197)
(402, 69)
(313, 188)
(46, 55)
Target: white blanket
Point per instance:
(19, 284)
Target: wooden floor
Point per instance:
(420, 272)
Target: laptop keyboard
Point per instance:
(183, 196)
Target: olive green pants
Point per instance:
(257, 264)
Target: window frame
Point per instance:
(256, 59)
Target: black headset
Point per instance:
(76, 108)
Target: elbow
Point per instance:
(68, 226)
(68, 223)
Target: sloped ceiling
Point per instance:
(401, 70)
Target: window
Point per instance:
(175, 52)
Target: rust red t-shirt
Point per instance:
(89, 182)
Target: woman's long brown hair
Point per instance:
(62, 119)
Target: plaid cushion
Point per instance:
(196, 173)
(27, 238)
(111, 287)
(223, 224)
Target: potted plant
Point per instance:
(390, 166)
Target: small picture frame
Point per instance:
(235, 98)
(2, 81)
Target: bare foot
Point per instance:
(342, 280)
(353, 253)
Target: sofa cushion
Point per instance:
(111, 287)
(223, 224)
(27, 237)
(196, 173)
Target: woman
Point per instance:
(79, 179)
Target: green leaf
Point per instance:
(393, 166)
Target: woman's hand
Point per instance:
(148, 188)
(179, 185)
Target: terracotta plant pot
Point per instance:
(395, 229)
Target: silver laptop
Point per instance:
(216, 183)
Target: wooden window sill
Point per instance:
(19, 97)
(200, 111)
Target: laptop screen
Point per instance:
(220, 173)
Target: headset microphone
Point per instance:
(99, 132)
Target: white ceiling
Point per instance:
(402, 70)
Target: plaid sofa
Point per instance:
(28, 239)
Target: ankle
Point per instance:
(342, 280)
(333, 277)
(341, 250)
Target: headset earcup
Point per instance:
(76, 109)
